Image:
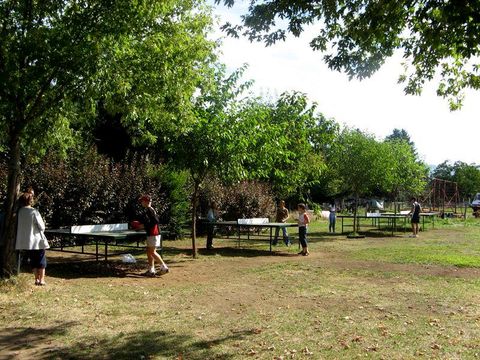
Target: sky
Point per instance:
(376, 105)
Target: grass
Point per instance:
(378, 297)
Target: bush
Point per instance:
(90, 189)
(246, 199)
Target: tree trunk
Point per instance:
(196, 186)
(8, 236)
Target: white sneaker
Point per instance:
(164, 270)
(149, 273)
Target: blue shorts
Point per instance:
(38, 260)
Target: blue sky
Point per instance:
(376, 105)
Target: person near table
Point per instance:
(150, 221)
(303, 221)
(415, 216)
(212, 215)
(281, 217)
(332, 217)
(30, 236)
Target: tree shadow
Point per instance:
(45, 343)
(30, 342)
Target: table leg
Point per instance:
(96, 249)
(271, 239)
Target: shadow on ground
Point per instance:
(44, 343)
(27, 342)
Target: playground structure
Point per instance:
(443, 197)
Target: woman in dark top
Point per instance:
(415, 213)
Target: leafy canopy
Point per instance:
(290, 136)
(437, 38)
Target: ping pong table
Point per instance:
(254, 223)
(102, 235)
(394, 222)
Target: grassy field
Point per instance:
(380, 297)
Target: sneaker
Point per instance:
(164, 270)
(149, 273)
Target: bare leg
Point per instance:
(151, 260)
(156, 256)
(35, 272)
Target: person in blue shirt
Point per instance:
(332, 218)
(211, 219)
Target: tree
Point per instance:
(467, 178)
(290, 136)
(213, 144)
(444, 171)
(401, 134)
(437, 38)
(407, 175)
(360, 163)
(55, 58)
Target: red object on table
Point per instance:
(136, 224)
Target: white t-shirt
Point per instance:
(301, 220)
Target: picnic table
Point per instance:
(253, 223)
(101, 235)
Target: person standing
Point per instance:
(303, 221)
(415, 214)
(30, 236)
(281, 217)
(211, 219)
(150, 223)
(332, 218)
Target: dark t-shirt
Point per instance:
(416, 212)
(150, 218)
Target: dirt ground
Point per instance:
(229, 260)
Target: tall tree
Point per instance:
(360, 163)
(56, 56)
(213, 144)
(436, 37)
(468, 179)
(291, 137)
(406, 175)
(444, 171)
(401, 134)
